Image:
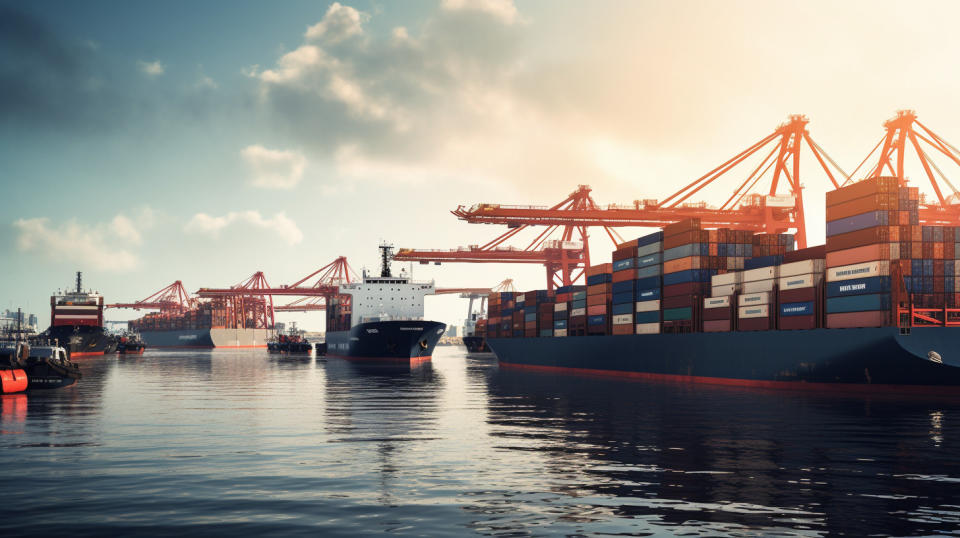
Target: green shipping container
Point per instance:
(677, 314)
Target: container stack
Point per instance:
(648, 283)
(577, 319)
(755, 310)
(599, 298)
(538, 313)
(561, 309)
(519, 316)
(800, 289)
(623, 288)
(685, 280)
(865, 225)
(493, 315)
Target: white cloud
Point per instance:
(340, 23)
(272, 168)
(206, 82)
(505, 10)
(212, 226)
(151, 69)
(102, 246)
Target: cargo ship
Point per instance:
(76, 323)
(206, 325)
(381, 318)
(875, 308)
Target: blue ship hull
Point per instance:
(867, 358)
(386, 341)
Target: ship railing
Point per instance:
(930, 317)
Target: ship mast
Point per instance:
(386, 254)
(79, 281)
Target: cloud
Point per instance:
(206, 82)
(340, 23)
(102, 247)
(504, 10)
(212, 226)
(151, 69)
(274, 169)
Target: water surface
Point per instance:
(229, 442)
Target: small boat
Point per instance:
(290, 343)
(49, 367)
(130, 344)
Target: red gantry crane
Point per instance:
(904, 132)
(771, 212)
(173, 298)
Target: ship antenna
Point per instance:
(79, 281)
(386, 254)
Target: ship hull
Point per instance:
(388, 341)
(476, 344)
(83, 341)
(208, 338)
(861, 359)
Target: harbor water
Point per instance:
(228, 442)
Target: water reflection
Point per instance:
(725, 459)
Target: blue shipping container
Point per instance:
(797, 309)
(624, 297)
(858, 303)
(762, 261)
(621, 265)
(647, 317)
(691, 275)
(648, 271)
(597, 320)
(530, 317)
(559, 324)
(683, 251)
(626, 286)
(650, 294)
(546, 332)
(602, 278)
(857, 222)
(650, 259)
(649, 239)
(582, 303)
(859, 286)
(622, 308)
(648, 282)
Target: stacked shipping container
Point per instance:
(599, 298)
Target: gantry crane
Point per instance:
(901, 135)
(173, 298)
(768, 213)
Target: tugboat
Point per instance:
(24, 367)
(76, 322)
(381, 319)
(130, 344)
(292, 342)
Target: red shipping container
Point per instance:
(868, 253)
(849, 320)
(685, 225)
(793, 323)
(867, 236)
(688, 288)
(681, 239)
(754, 324)
(623, 329)
(678, 301)
(859, 206)
(593, 300)
(597, 310)
(811, 253)
(624, 253)
(625, 275)
(599, 269)
(800, 295)
(716, 325)
(717, 314)
(600, 289)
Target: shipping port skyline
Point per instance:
(245, 189)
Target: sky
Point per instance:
(148, 142)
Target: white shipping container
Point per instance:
(578, 312)
(623, 319)
(735, 263)
(721, 291)
(796, 282)
(725, 279)
(559, 332)
(647, 328)
(559, 307)
(758, 286)
(779, 200)
(648, 306)
(716, 302)
(762, 273)
(748, 299)
(802, 267)
(758, 311)
(858, 270)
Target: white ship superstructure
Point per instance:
(387, 299)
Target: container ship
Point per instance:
(76, 322)
(207, 325)
(381, 318)
(877, 307)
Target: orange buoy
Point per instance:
(12, 381)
